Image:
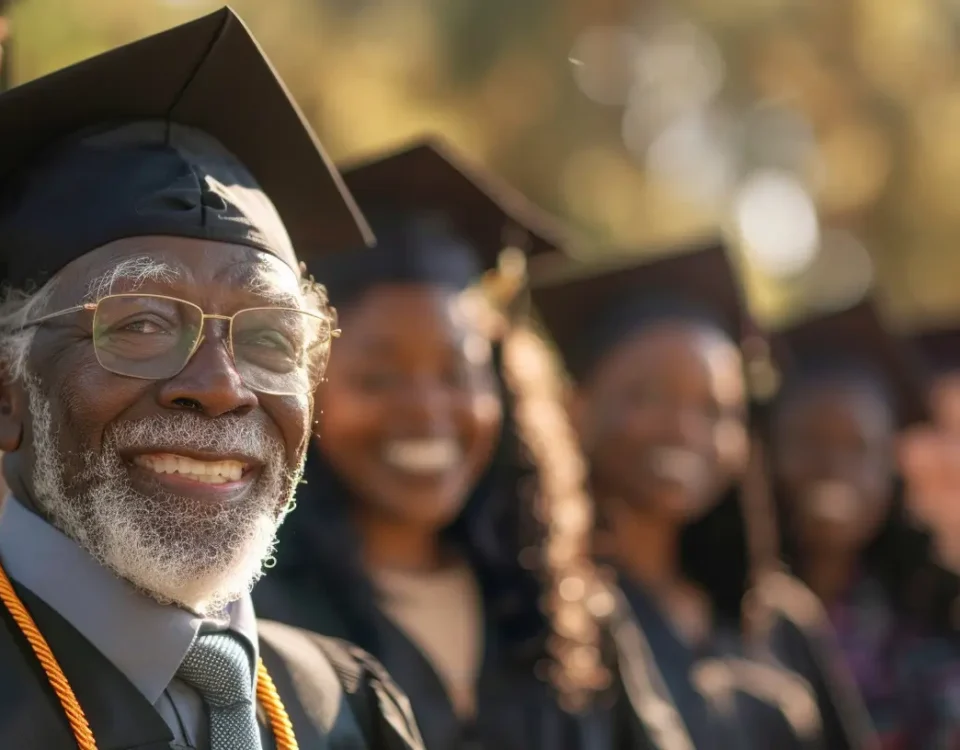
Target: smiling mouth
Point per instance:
(836, 502)
(423, 457)
(224, 471)
(678, 465)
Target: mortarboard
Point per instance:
(185, 133)
(857, 339)
(589, 308)
(437, 219)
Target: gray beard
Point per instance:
(198, 557)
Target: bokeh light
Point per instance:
(603, 60)
(777, 223)
(842, 274)
(639, 124)
(695, 154)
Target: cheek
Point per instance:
(610, 428)
(293, 416)
(344, 417)
(90, 399)
(879, 484)
(483, 415)
(731, 447)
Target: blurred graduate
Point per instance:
(409, 535)
(658, 355)
(851, 389)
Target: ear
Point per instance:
(13, 414)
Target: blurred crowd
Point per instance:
(589, 503)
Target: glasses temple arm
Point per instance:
(51, 316)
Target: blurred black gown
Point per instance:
(515, 710)
(725, 698)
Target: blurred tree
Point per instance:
(858, 98)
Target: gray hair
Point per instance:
(135, 271)
(16, 310)
(20, 306)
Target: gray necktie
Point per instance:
(218, 666)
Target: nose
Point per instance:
(686, 426)
(426, 407)
(209, 383)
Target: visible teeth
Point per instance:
(678, 464)
(209, 472)
(423, 456)
(833, 501)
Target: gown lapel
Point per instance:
(724, 699)
(31, 717)
(119, 716)
(439, 725)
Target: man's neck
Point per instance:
(18, 489)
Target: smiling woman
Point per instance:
(852, 387)
(662, 404)
(411, 529)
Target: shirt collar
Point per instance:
(145, 640)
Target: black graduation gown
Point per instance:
(516, 711)
(802, 638)
(721, 697)
(336, 696)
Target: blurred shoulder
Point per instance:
(789, 598)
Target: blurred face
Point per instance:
(662, 419)
(930, 461)
(410, 414)
(945, 400)
(833, 459)
(176, 484)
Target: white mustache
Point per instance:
(229, 434)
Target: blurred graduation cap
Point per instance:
(857, 340)
(185, 133)
(589, 308)
(438, 220)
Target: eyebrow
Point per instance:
(259, 280)
(134, 272)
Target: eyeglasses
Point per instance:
(276, 350)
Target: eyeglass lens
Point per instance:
(276, 350)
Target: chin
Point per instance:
(202, 580)
(432, 513)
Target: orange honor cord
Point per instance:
(270, 700)
(266, 690)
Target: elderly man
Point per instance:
(160, 348)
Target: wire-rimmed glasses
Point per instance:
(277, 350)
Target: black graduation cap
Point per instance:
(186, 133)
(438, 220)
(588, 308)
(940, 348)
(857, 339)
